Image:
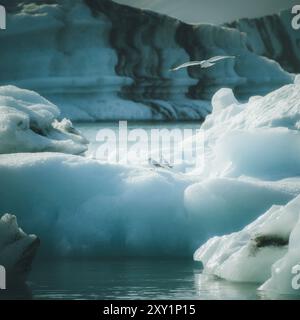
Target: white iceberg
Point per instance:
(266, 251)
(80, 206)
(259, 138)
(28, 123)
(17, 249)
(258, 142)
(285, 278)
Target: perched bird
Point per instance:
(162, 164)
(204, 63)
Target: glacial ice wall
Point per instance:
(273, 37)
(101, 60)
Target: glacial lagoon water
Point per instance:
(131, 279)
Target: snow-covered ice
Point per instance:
(80, 206)
(259, 142)
(285, 277)
(258, 139)
(28, 123)
(266, 251)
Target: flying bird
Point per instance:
(204, 63)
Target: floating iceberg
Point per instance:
(17, 249)
(28, 123)
(80, 206)
(259, 142)
(266, 251)
(285, 277)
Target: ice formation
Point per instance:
(248, 139)
(17, 249)
(274, 37)
(28, 123)
(259, 140)
(80, 206)
(266, 251)
(285, 272)
(102, 60)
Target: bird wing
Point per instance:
(187, 64)
(217, 58)
(204, 63)
(207, 64)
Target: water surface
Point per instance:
(131, 279)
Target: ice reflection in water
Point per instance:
(130, 279)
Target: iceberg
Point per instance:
(104, 61)
(260, 142)
(266, 251)
(83, 207)
(17, 249)
(80, 207)
(248, 139)
(28, 123)
(285, 271)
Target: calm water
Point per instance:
(130, 279)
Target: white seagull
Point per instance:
(204, 63)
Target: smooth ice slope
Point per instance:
(28, 123)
